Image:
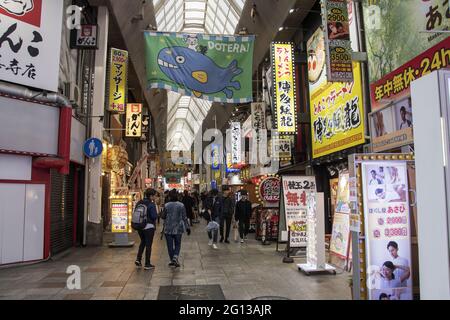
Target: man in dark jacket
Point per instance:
(188, 202)
(227, 215)
(148, 232)
(214, 206)
(242, 214)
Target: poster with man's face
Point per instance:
(403, 114)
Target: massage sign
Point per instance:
(30, 42)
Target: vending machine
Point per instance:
(430, 97)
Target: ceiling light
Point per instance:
(281, 29)
(292, 10)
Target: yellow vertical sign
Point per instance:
(134, 121)
(118, 76)
(284, 87)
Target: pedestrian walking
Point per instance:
(175, 224)
(144, 221)
(214, 206)
(242, 214)
(188, 202)
(226, 216)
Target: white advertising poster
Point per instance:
(30, 42)
(258, 115)
(295, 195)
(236, 143)
(387, 228)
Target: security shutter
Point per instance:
(61, 211)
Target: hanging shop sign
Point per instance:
(269, 77)
(236, 152)
(295, 190)
(392, 126)
(93, 148)
(134, 121)
(118, 80)
(281, 148)
(337, 116)
(230, 168)
(84, 38)
(214, 68)
(387, 230)
(30, 42)
(395, 85)
(258, 115)
(284, 87)
(337, 41)
(121, 210)
(268, 190)
(391, 45)
(215, 157)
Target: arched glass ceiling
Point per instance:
(186, 114)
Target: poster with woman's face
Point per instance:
(403, 114)
(382, 122)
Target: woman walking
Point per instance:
(175, 224)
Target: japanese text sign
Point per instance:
(258, 115)
(337, 41)
(30, 42)
(397, 84)
(337, 116)
(284, 87)
(281, 148)
(118, 80)
(134, 121)
(85, 38)
(398, 31)
(295, 192)
(120, 211)
(387, 229)
(236, 137)
(269, 190)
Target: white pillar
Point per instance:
(94, 173)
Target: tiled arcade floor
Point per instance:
(243, 271)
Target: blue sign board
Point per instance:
(93, 148)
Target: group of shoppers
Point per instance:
(219, 212)
(179, 213)
(176, 223)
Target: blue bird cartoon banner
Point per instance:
(214, 68)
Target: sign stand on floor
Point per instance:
(121, 210)
(315, 252)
